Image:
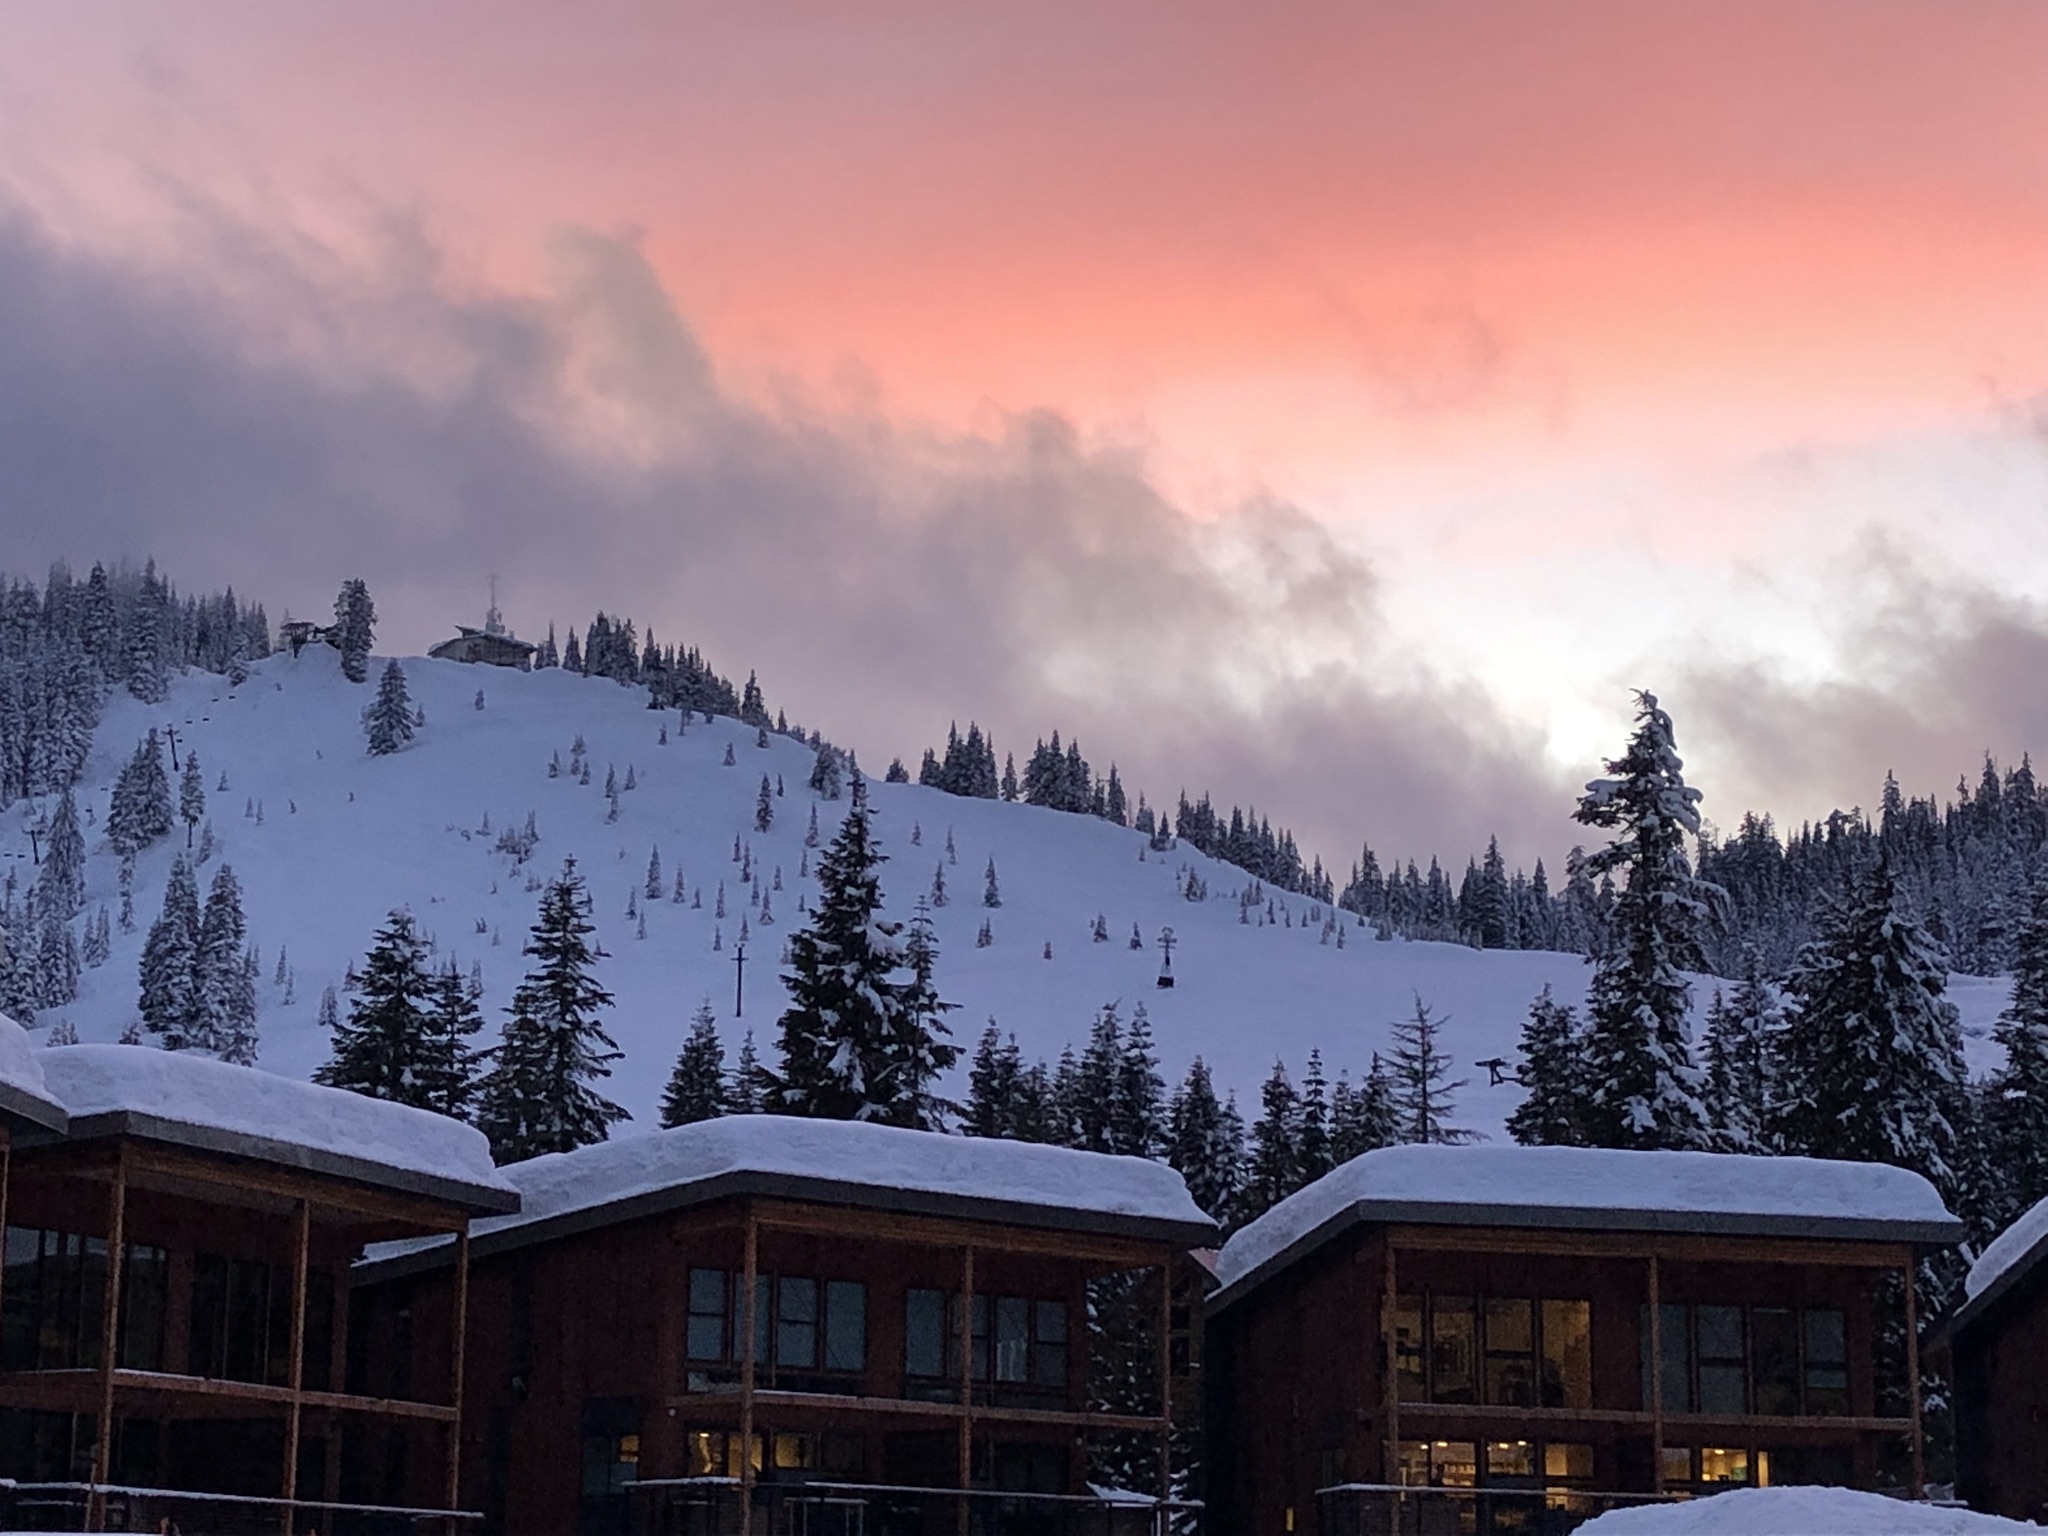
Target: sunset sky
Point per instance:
(1336, 406)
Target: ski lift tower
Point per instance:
(1166, 943)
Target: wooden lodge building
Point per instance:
(1997, 1343)
(175, 1294)
(758, 1324)
(1522, 1335)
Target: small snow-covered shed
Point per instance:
(860, 1304)
(1997, 1341)
(179, 1242)
(1558, 1323)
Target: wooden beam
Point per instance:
(1437, 1415)
(302, 1239)
(707, 1408)
(325, 1191)
(750, 1268)
(942, 1231)
(1656, 1404)
(967, 1380)
(78, 1387)
(1919, 1482)
(1684, 1247)
(6, 1177)
(110, 1344)
(1390, 1364)
(459, 1350)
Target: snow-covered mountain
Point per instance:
(326, 839)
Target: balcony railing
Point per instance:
(69, 1507)
(710, 1506)
(1384, 1509)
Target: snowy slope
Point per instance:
(342, 838)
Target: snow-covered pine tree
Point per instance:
(1365, 1118)
(696, 1087)
(1644, 1088)
(447, 1071)
(994, 1080)
(1869, 1065)
(355, 626)
(923, 1051)
(850, 1046)
(1553, 1071)
(388, 720)
(169, 1003)
(1205, 1143)
(140, 811)
(827, 775)
(60, 883)
(743, 1091)
(991, 892)
(652, 890)
(1742, 1030)
(538, 1096)
(764, 806)
(1273, 1167)
(383, 1049)
(1139, 1124)
(56, 962)
(2016, 1103)
(1312, 1136)
(1422, 1082)
(224, 989)
(191, 796)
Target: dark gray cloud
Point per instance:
(1938, 670)
(277, 417)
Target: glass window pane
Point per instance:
(1510, 1363)
(1562, 1460)
(1677, 1463)
(1720, 1333)
(1827, 1339)
(1453, 1365)
(924, 1334)
(1567, 1354)
(978, 1342)
(1510, 1458)
(796, 1331)
(1013, 1338)
(1721, 1389)
(707, 1291)
(1411, 1379)
(846, 1325)
(1454, 1464)
(1049, 1350)
(1723, 1464)
(1413, 1469)
(1677, 1341)
(1774, 1361)
(707, 1338)
(1050, 1320)
(764, 1317)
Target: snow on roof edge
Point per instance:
(1721, 1192)
(2005, 1259)
(23, 1089)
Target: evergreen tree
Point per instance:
(764, 806)
(169, 1003)
(1274, 1167)
(993, 1079)
(1205, 1143)
(1312, 1140)
(1553, 1070)
(743, 1096)
(696, 1088)
(384, 1049)
(538, 1096)
(1140, 1125)
(858, 1041)
(1742, 1031)
(1421, 1080)
(140, 811)
(191, 796)
(1093, 1089)
(1869, 1065)
(60, 884)
(388, 721)
(355, 623)
(991, 893)
(2017, 1096)
(56, 963)
(447, 1072)
(224, 989)
(1644, 1085)
(1363, 1119)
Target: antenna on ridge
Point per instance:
(494, 621)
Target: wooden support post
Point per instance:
(1390, 1365)
(1919, 1483)
(1166, 1375)
(110, 1343)
(6, 1175)
(302, 1239)
(459, 1328)
(749, 1270)
(1656, 1403)
(966, 1385)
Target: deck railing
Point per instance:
(69, 1507)
(710, 1506)
(1386, 1509)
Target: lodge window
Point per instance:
(1560, 1468)
(1012, 1340)
(1730, 1360)
(242, 1321)
(1515, 1352)
(719, 1453)
(800, 1323)
(56, 1287)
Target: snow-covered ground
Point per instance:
(1799, 1512)
(325, 840)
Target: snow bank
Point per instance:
(2006, 1250)
(21, 1067)
(1800, 1512)
(187, 1089)
(1553, 1186)
(842, 1153)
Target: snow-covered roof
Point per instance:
(195, 1101)
(1591, 1189)
(1800, 1512)
(835, 1162)
(2004, 1261)
(24, 1096)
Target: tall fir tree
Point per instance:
(355, 629)
(2016, 1103)
(390, 1047)
(1553, 1074)
(1312, 1141)
(224, 989)
(1273, 1165)
(60, 883)
(1140, 1128)
(696, 1087)
(1205, 1143)
(1363, 1119)
(448, 1072)
(169, 1004)
(539, 1096)
(140, 810)
(743, 1091)
(1420, 1070)
(1643, 1085)
(191, 796)
(992, 1086)
(1742, 1032)
(388, 720)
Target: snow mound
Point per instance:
(2006, 1250)
(186, 1089)
(1564, 1186)
(1800, 1512)
(21, 1069)
(847, 1154)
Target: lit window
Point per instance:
(1723, 1464)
